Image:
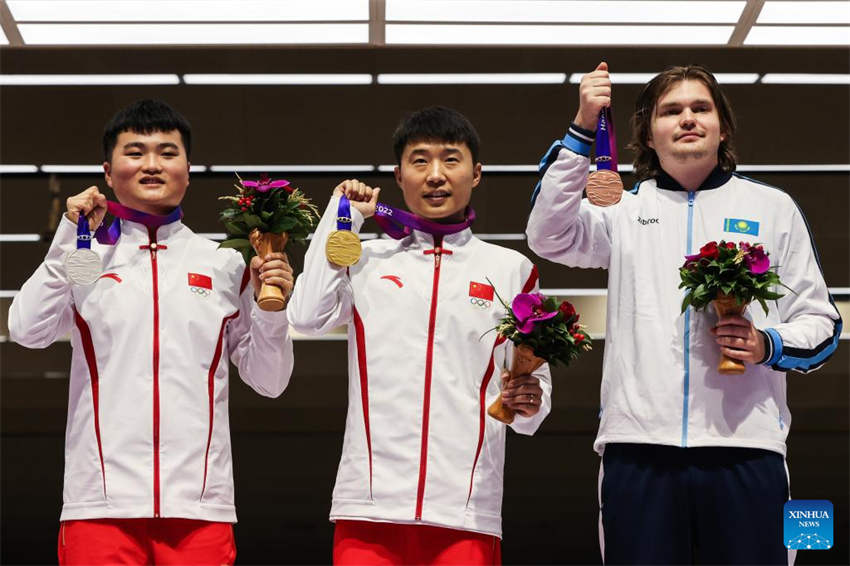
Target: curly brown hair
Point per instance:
(646, 164)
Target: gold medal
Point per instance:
(343, 248)
(604, 187)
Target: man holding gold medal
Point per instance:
(155, 312)
(420, 478)
(692, 459)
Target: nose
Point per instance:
(435, 172)
(687, 119)
(151, 163)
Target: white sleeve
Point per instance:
(811, 324)
(562, 226)
(42, 311)
(323, 298)
(260, 346)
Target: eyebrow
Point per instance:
(692, 102)
(164, 145)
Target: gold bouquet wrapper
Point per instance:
(272, 297)
(524, 363)
(726, 305)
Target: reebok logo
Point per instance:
(645, 221)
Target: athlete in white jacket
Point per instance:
(419, 450)
(147, 445)
(660, 388)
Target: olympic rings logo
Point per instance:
(480, 303)
(201, 291)
(383, 209)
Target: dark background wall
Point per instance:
(286, 450)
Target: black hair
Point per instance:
(436, 123)
(145, 117)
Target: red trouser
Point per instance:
(98, 542)
(359, 543)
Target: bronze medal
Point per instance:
(604, 187)
(343, 248)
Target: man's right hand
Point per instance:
(594, 94)
(91, 203)
(363, 197)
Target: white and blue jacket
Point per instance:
(660, 384)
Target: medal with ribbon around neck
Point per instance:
(343, 247)
(604, 186)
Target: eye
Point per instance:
(170, 153)
(134, 153)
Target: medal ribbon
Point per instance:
(108, 235)
(606, 142)
(399, 223)
(343, 214)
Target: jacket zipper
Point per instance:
(687, 333)
(426, 403)
(154, 272)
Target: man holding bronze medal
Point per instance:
(420, 478)
(692, 459)
(155, 312)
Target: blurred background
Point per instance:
(311, 91)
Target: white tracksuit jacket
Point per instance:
(148, 432)
(660, 383)
(419, 447)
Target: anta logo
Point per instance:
(200, 285)
(480, 295)
(645, 221)
(394, 278)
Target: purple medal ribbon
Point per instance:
(400, 223)
(108, 236)
(606, 142)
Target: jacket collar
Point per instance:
(717, 178)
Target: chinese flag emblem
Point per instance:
(480, 291)
(202, 281)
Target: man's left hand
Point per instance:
(522, 394)
(273, 269)
(739, 339)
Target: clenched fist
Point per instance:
(91, 203)
(362, 196)
(594, 94)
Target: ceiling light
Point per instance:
(277, 79)
(56, 80)
(804, 13)
(470, 78)
(187, 10)
(805, 79)
(193, 34)
(20, 238)
(72, 168)
(291, 168)
(692, 12)
(643, 78)
(470, 34)
(798, 35)
(18, 169)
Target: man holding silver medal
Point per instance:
(693, 463)
(155, 312)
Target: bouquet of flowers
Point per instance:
(729, 277)
(543, 330)
(261, 218)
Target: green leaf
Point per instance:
(235, 243)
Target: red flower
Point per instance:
(709, 251)
(578, 337)
(567, 310)
(730, 245)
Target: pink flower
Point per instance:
(264, 184)
(757, 260)
(528, 309)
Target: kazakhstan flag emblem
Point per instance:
(741, 226)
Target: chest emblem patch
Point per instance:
(741, 226)
(200, 284)
(480, 295)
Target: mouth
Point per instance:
(688, 136)
(437, 197)
(151, 181)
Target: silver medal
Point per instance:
(83, 266)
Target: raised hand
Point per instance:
(362, 196)
(594, 94)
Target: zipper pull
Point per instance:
(438, 253)
(691, 199)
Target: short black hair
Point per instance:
(145, 117)
(436, 123)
